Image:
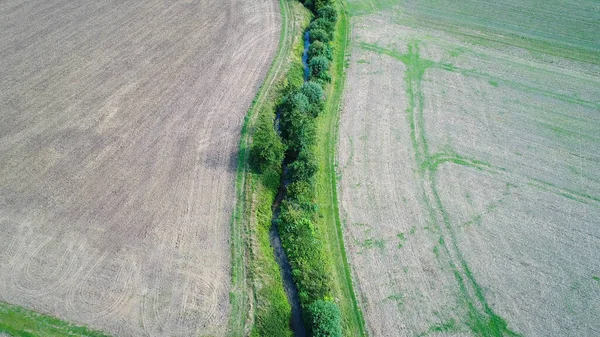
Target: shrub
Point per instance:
(319, 48)
(294, 100)
(304, 167)
(313, 91)
(323, 24)
(304, 251)
(315, 94)
(297, 130)
(328, 13)
(267, 150)
(302, 193)
(318, 4)
(324, 319)
(317, 65)
(295, 76)
(319, 35)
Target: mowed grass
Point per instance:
(500, 104)
(327, 136)
(20, 322)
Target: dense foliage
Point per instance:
(325, 319)
(297, 110)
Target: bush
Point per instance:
(318, 4)
(328, 13)
(304, 251)
(324, 319)
(317, 65)
(319, 48)
(297, 130)
(267, 150)
(315, 94)
(304, 167)
(302, 193)
(323, 24)
(294, 100)
(319, 35)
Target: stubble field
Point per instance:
(119, 127)
(469, 165)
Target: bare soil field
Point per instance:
(469, 167)
(119, 128)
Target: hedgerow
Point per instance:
(297, 110)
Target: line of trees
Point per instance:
(294, 144)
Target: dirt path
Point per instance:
(119, 129)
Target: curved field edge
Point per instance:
(258, 301)
(20, 322)
(327, 137)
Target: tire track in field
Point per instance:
(481, 318)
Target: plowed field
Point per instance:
(469, 165)
(119, 128)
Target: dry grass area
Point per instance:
(119, 128)
(469, 163)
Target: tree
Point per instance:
(318, 48)
(318, 65)
(325, 319)
(314, 92)
(328, 13)
(323, 24)
(318, 34)
(304, 167)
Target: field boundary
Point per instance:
(242, 295)
(327, 135)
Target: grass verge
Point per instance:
(19, 322)
(258, 301)
(327, 136)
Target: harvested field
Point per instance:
(469, 164)
(119, 128)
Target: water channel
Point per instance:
(296, 323)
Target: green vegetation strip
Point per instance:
(20, 322)
(258, 301)
(308, 221)
(327, 136)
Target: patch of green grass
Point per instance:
(596, 278)
(19, 322)
(449, 326)
(371, 243)
(402, 239)
(366, 7)
(396, 298)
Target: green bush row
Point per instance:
(301, 239)
(321, 31)
(291, 139)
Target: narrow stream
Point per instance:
(296, 323)
(305, 55)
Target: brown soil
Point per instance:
(119, 127)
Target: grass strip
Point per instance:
(327, 136)
(20, 322)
